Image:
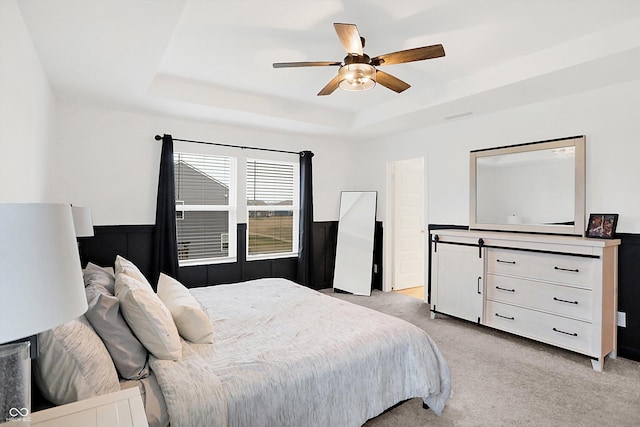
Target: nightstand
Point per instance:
(120, 409)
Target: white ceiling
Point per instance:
(211, 59)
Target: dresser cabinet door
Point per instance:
(457, 281)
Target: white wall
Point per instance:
(608, 117)
(26, 113)
(108, 160)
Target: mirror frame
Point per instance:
(578, 228)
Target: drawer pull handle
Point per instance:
(505, 289)
(506, 262)
(564, 300)
(566, 333)
(505, 317)
(573, 270)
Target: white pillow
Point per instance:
(148, 318)
(192, 322)
(125, 266)
(73, 363)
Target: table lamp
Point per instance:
(41, 287)
(82, 221)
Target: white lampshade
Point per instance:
(41, 283)
(82, 221)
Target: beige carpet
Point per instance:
(504, 380)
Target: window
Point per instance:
(272, 208)
(205, 208)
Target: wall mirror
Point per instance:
(537, 187)
(354, 247)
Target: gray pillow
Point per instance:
(128, 354)
(94, 274)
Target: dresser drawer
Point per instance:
(557, 299)
(567, 333)
(573, 270)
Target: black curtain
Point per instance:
(305, 246)
(165, 249)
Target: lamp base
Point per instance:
(15, 382)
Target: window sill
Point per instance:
(271, 256)
(208, 261)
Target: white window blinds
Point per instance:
(205, 207)
(272, 205)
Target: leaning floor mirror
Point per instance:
(354, 249)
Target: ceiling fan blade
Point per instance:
(391, 82)
(331, 86)
(305, 64)
(349, 37)
(409, 55)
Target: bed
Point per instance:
(282, 354)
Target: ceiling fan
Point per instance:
(358, 71)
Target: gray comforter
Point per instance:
(285, 355)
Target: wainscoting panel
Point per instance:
(133, 242)
(629, 295)
(324, 253)
(377, 257)
(287, 268)
(200, 274)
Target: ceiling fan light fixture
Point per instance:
(357, 77)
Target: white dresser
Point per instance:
(561, 290)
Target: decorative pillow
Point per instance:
(94, 274)
(125, 266)
(128, 354)
(73, 363)
(192, 322)
(148, 317)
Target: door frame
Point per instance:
(389, 224)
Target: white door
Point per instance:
(408, 248)
(456, 286)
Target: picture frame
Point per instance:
(602, 226)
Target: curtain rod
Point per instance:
(159, 138)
